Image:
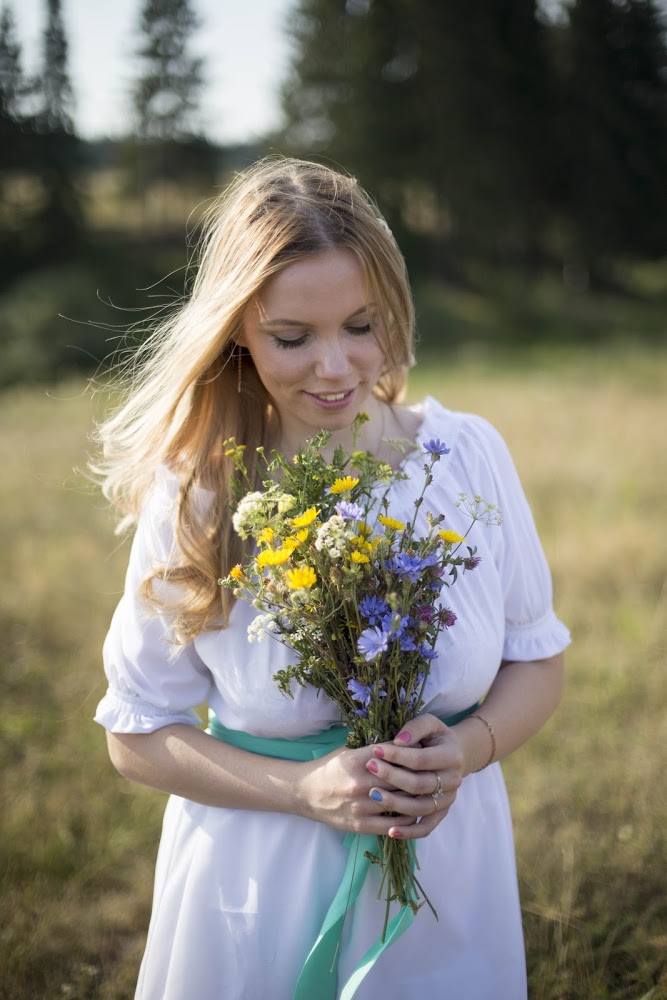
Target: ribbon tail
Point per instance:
(396, 926)
(319, 977)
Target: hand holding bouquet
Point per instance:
(353, 591)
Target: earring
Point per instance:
(239, 368)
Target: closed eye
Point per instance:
(360, 329)
(287, 344)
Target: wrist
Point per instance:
(477, 738)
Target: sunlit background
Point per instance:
(519, 152)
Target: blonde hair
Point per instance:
(182, 401)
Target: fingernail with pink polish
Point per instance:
(378, 751)
(372, 766)
(404, 737)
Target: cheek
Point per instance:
(278, 368)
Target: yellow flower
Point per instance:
(302, 578)
(303, 520)
(237, 572)
(359, 557)
(363, 528)
(273, 557)
(265, 536)
(294, 541)
(361, 543)
(343, 485)
(235, 452)
(451, 537)
(390, 523)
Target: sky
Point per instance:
(243, 42)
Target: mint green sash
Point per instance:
(318, 977)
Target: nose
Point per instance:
(332, 360)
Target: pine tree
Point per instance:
(440, 109)
(168, 88)
(613, 129)
(12, 82)
(56, 88)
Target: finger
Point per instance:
(411, 805)
(415, 782)
(443, 754)
(420, 729)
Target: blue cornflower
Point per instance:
(372, 642)
(426, 652)
(395, 625)
(349, 510)
(360, 692)
(432, 559)
(372, 608)
(406, 566)
(435, 448)
(407, 643)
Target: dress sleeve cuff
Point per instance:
(536, 640)
(120, 712)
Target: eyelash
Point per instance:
(289, 344)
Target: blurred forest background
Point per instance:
(519, 152)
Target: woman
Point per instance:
(300, 317)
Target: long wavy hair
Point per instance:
(182, 399)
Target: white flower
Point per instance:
(285, 502)
(260, 627)
(249, 507)
(331, 537)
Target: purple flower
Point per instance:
(472, 561)
(425, 613)
(446, 617)
(372, 608)
(372, 642)
(360, 692)
(435, 448)
(349, 510)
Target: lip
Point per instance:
(344, 397)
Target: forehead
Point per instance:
(325, 279)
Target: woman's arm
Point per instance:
(183, 760)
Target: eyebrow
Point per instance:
(298, 322)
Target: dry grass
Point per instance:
(78, 844)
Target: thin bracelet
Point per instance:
(493, 740)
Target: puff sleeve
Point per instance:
(532, 629)
(152, 682)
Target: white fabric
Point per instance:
(240, 896)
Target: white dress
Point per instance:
(240, 896)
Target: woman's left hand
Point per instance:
(424, 767)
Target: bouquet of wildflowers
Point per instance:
(354, 592)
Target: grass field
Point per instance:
(588, 433)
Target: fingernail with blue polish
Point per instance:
(376, 795)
